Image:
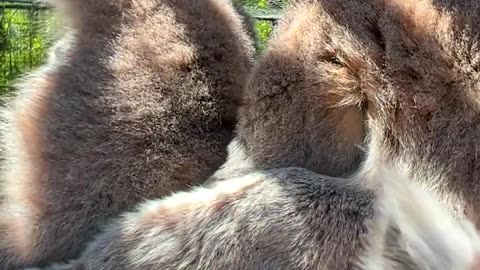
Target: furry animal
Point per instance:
(290, 218)
(413, 230)
(297, 110)
(406, 73)
(302, 107)
(401, 74)
(139, 100)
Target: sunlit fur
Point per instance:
(340, 76)
(400, 77)
(290, 218)
(137, 100)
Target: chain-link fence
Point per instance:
(27, 29)
(25, 33)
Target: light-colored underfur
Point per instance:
(289, 218)
(410, 67)
(264, 220)
(413, 230)
(137, 101)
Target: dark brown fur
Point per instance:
(411, 69)
(140, 102)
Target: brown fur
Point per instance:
(139, 101)
(426, 113)
(289, 218)
(383, 57)
(404, 75)
(268, 220)
(302, 106)
(411, 69)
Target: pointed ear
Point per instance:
(426, 231)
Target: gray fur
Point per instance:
(404, 75)
(410, 67)
(140, 101)
(295, 110)
(289, 218)
(278, 219)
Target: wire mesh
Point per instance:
(27, 29)
(25, 33)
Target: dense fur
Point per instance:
(301, 107)
(426, 113)
(277, 219)
(400, 75)
(413, 230)
(138, 101)
(289, 219)
(410, 67)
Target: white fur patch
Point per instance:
(431, 236)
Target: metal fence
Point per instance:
(27, 30)
(25, 33)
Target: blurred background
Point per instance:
(29, 28)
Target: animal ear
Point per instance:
(422, 232)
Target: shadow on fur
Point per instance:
(140, 103)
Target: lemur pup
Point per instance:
(138, 101)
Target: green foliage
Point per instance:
(264, 29)
(27, 30)
(25, 34)
(261, 9)
(256, 4)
